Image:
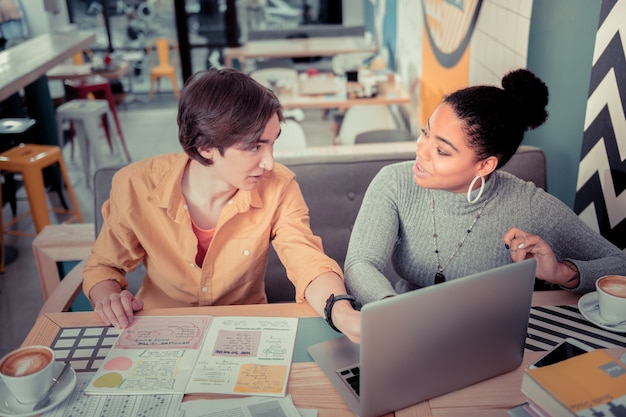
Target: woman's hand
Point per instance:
(114, 306)
(523, 245)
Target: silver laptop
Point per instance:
(432, 341)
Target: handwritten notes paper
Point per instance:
(199, 354)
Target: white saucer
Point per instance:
(588, 306)
(9, 407)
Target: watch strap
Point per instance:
(330, 302)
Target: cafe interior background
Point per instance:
(435, 47)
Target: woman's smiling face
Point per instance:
(443, 160)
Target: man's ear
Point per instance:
(487, 166)
(206, 153)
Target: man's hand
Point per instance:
(114, 306)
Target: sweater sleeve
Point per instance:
(572, 239)
(372, 240)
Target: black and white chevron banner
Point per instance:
(600, 197)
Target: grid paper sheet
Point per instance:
(81, 404)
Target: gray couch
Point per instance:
(333, 185)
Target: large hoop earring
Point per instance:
(480, 191)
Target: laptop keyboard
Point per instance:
(350, 375)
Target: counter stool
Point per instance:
(13, 131)
(85, 116)
(99, 87)
(29, 160)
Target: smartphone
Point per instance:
(568, 348)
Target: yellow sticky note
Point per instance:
(254, 378)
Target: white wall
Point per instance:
(352, 13)
(39, 20)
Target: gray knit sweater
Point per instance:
(395, 223)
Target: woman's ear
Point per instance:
(487, 166)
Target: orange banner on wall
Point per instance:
(437, 81)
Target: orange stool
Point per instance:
(29, 160)
(99, 87)
(14, 131)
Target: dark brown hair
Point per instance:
(220, 108)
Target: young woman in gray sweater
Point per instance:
(452, 212)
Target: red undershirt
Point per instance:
(204, 240)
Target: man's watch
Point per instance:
(331, 302)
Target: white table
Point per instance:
(25, 66)
(298, 47)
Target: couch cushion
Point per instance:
(333, 181)
(529, 163)
(333, 185)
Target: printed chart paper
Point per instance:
(79, 404)
(199, 354)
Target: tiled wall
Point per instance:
(500, 40)
(498, 44)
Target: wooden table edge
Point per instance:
(51, 323)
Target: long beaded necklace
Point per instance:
(439, 276)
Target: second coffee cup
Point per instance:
(611, 290)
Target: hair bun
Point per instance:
(530, 96)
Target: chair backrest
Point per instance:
(333, 203)
(163, 51)
(384, 135)
(102, 179)
(363, 118)
(349, 61)
(333, 187)
(529, 163)
(162, 48)
(292, 136)
(278, 78)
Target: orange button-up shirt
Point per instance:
(146, 221)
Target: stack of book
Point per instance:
(591, 384)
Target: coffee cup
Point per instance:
(27, 372)
(611, 290)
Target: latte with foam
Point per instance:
(25, 362)
(613, 285)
